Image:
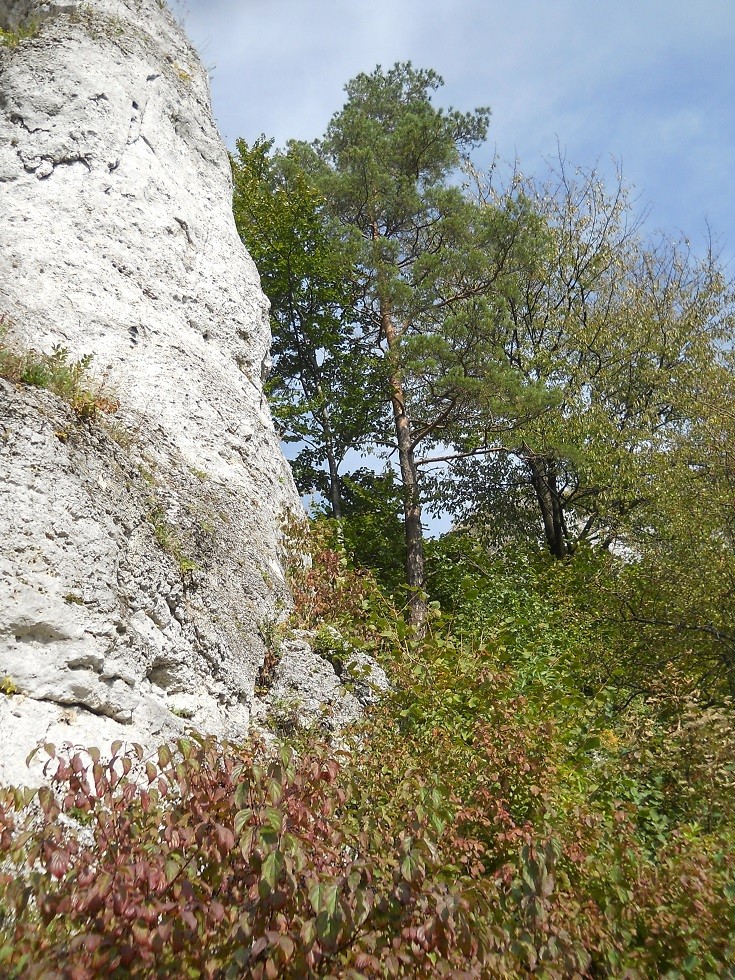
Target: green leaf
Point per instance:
(270, 873)
(273, 818)
(172, 869)
(324, 896)
(242, 819)
(412, 866)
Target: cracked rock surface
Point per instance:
(139, 554)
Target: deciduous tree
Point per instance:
(616, 332)
(322, 373)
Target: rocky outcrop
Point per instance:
(315, 680)
(139, 556)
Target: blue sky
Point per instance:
(650, 83)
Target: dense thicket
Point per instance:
(493, 817)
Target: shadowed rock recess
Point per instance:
(141, 552)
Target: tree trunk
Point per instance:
(414, 532)
(543, 479)
(415, 569)
(335, 499)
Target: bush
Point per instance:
(56, 372)
(488, 819)
(217, 861)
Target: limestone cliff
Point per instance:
(139, 556)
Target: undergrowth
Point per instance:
(491, 817)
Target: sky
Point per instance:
(649, 84)
(646, 86)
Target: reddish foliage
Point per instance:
(221, 861)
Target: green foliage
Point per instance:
(566, 726)
(371, 530)
(634, 801)
(541, 370)
(387, 166)
(619, 332)
(12, 38)
(322, 374)
(493, 816)
(378, 265)
(56, 372)
(676, 599)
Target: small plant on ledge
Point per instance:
(12, 38)
(58, 373)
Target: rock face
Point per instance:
(316, 680)
(139, 556)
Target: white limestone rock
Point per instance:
(138, 556)
(317, 679)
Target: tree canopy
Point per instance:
(522, 354)
(425, 256)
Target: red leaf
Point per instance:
(225, 838)
(92, 941)
(59, 863)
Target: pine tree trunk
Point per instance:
(415, 567)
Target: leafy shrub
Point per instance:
(56, 371)
(331, 590)
(490, 818)
(217, 861)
